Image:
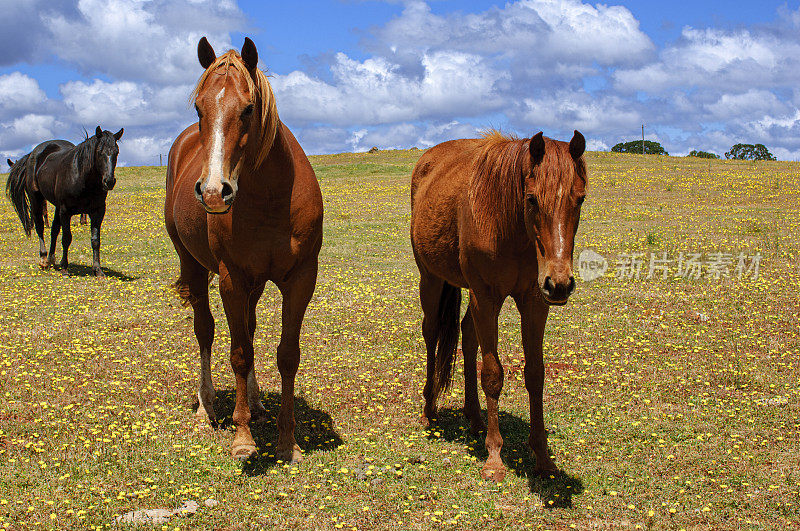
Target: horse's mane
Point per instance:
(84, 154)
(497, 185)
(260, 90)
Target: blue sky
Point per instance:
(352, 74)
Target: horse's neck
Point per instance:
(274, 177)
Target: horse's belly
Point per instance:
(434, 237)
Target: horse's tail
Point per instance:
(181, 289)
(15, 190)
(447, 338)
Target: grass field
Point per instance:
(671, 403)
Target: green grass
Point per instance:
(657, 393)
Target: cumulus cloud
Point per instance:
(153, 40)
(375, 91)
(19, 93)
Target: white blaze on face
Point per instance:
(215, 160)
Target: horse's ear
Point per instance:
(98, 131)
(118, 134)
(10, 162)
(249, 54)
(577, 145)
(537, 148)
(205, 53)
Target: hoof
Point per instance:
(44, 264)
(99, 273)
(424, 421)
(494, 473)
(290, 455)
(243, 452)
(548, 468)
(64, 272)
(203, 416)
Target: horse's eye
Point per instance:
(247, 111)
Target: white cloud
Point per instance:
(148, 40)
(28, 129)
(376, 92)
(124, 103)
(19, 92)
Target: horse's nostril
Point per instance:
(549, 287)
(227, 192)
(198, 189)
(571, 287)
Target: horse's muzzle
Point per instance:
(557, 293)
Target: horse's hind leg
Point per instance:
(39, 214)
(192, 286)
(44, 213)
(257, 411)
(54, 230)
(297, 292)
(469, 347)
(430, 293)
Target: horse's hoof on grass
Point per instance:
(243, 452)
(494, 473)
(292, 455)
(44, 264)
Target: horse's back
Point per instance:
(42, 168)
(439, 193)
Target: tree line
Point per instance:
(737, 151)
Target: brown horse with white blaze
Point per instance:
(243, 202)
(497, 216)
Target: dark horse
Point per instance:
(497, 216)
(243, 202)
(76, 179)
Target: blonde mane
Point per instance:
(260, 90)
(497, 184)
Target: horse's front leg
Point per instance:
(297, 292)
(66, 239)
(55, 228)
(96, 221)
(533, 315)
(257, 411)
(235, 299)
(485, 309)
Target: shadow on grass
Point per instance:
(555, 489)
(313, 432)
(80, 270)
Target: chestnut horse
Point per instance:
(497, 216)
(243, 202)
